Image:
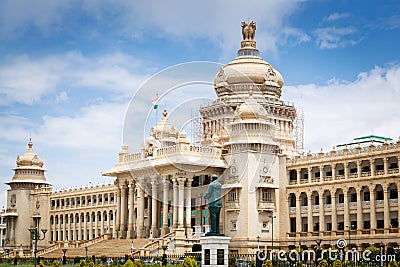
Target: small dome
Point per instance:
(164, 130)
(29, 158)
(251, 110)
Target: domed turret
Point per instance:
(164, 131)
(248, 68)
(251, 110)
(29, 167)
(29, 158)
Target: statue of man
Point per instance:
(213, 195)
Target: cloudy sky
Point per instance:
(69, 69)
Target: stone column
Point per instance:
(122, 225)
(164, 229)
(188, 205)
(346, 170)
(333, 171)
(140, 211)
(310, 213)
(309, 169)
(131, 192)
(386, 165)
(108, 231)
(321, 213)
(154, 226)
(346, 211)
(102, 232)
(298, 173)
(298, 214)
(181, 182)
(372, 166)
(359, 168)
(359, 211)
(386, 208)
(96, 224)
(175, 204)
(85, 219)
(372, 209)
(117, 219)
(65, 233)
(321, 173)
(334, 218)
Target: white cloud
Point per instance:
(26, 80)
(336, 16)
(334, 37)
(340, 111)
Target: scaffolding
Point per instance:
(299, 130)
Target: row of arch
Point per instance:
(82, 217)
(104, 198)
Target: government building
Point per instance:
(273, 194)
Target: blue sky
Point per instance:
(68, 69)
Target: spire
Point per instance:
(165, 113)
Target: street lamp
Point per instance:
(64, 250)
(35, 236)
(272, 234)
(131, 249)
(350, 228)
(258, 243)
(86, 249)
(164, 256)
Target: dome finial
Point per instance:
(165, 113)
(30, 144)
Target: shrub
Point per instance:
(337, 263)
(189, 262)
(41, 264)
(77, 260)
(128, 263)
(138, 264)
(323, 263)
(299, 264)
(103, 258)
(83, 264)
(232, 262)
(55, 263)
(267, 263)
(393, 263)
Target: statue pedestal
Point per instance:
(214, 250)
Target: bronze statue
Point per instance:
(248, 30)
(213, 195)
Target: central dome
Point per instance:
(248, 69)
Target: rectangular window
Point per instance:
(394, 223)
(380, 224)
(266, 195)
(393, 194)
(353, 170)
(379, 167)
(328, 199)
(293, 225)
(379, 195)
(232, 196)
(367, 225)
(366, 196)
(329, 173)
(316, 200)
(353, 197)
(341, 172)
(329, 227)
(341, 198)
(341, 226)
(317, 175)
